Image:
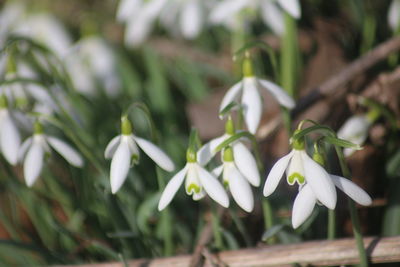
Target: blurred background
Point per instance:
(80, 63)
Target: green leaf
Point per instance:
(272, 231)
(341, 142)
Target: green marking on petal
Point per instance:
(296, 176)
(135, 159)
(226, 183)
(193, 187)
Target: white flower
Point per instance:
(34, 148)
(248, 89)
(228, 11)
(302, 169)
(394, 15)
(123, 148)
(243, 158)
(9, 136)
(306, 199)
(235, 180)
(355, 130)
(89, 60)
(198, 182)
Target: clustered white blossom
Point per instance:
(187, 18)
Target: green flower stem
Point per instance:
(268, 218)
(216, 228)
(353, 214)
(331, 224)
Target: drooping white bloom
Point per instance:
(199, 182)
(180, 17)
(237, 183)
(355, 130)
(301, 169)
(248, 91)
(47, 30)
(10, 139)
(124, 147)
(228, 11)
(91, 60)
(306, 199)
(34, 148)
(394, 15)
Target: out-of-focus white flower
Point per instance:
(180, 17)
(355, 130)
(11, 12)
(91, 60)
(198, 182)
(122, 149)
(140, 19)
(301, 169)
(228, 11)
(34, 148)
(236, 182)
(243, 158)
(248, 90)
(47, 30)
(9, 135)
(394, 15)
(306, 199)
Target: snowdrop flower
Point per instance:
(34, 148)
(306, 199)
(301, 169)
(355, 130)
(89, 60)
(9, 136)
(243, 158)
(139, 16)
(227, 11)
(394, 15)
(248, 89)
(235, 180)
(123, 149)
(198, 182)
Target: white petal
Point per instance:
(319, 181)
(273, 17)
(10, 139)
(126, 9)
(111, 147)
(355, 129)
(279, 93)
(240, 189)
(156, 154)
(206, 152)
(218, 170)
(66, 151)
(191, 19)
(303, 205)
(252, 104)
(33, 163)
(120, 166)
(292, 7)
(394, 15)
(276, 174)
(246, 163)
(352, 190)
(171, 188)
(137, 30)
(225, 9)
(213, 188)
(24, 148)
(231, 95)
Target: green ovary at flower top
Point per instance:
(123, 149)
(248, 91)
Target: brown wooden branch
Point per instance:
(320, 253)
(341, 78)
